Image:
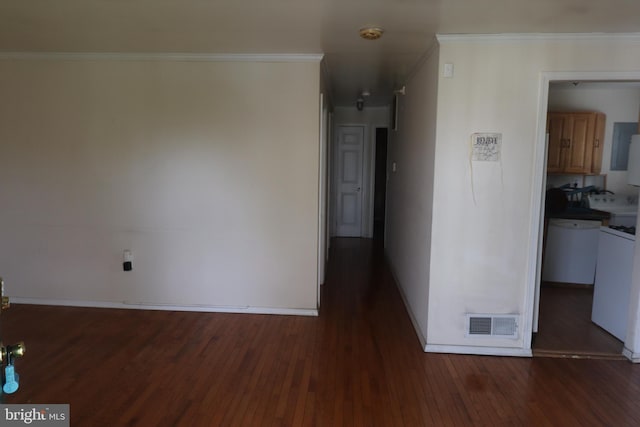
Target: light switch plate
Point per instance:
(448, 70)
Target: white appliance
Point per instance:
(613, 281)
(571, 251)
(622, 209)
(633, 167)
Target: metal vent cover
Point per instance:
(492, 325)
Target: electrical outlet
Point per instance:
(127, 258)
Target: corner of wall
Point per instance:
(422, 336)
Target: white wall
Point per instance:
(410, 191)
(484, 230)
(370, 118)
(207, 171)
(618, 102)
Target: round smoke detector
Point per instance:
(371, 33)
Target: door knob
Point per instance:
(8, 353)
(16, 350)
(5, 300)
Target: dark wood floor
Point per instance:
(565, 326)
(358, 364)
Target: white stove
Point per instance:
(623, 210)
(616, 246)
(628, 233)
(612, 286)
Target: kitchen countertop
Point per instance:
(581, 213)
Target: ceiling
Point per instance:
(298, 26)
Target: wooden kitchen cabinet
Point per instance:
(575, 142)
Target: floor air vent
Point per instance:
(492, 325)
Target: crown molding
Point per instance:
(177, 57)
(519, 37)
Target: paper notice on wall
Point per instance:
(485, 147)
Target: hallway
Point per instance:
(358, 364)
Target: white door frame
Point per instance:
(365, 188)
(329, 183)
(368, 175)
(322, 195)
(537, 205)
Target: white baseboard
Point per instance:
(477, 350)
(416, 326)
(168, 307)
(629, 354)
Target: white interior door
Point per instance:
(349, 154)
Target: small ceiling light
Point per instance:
(371, 33)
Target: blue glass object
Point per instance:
(11, 380)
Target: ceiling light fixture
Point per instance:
(360, 101)
(371, 33)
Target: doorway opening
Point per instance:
(565, 322)
(380, 184)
